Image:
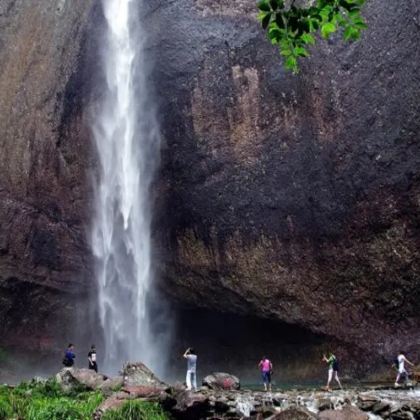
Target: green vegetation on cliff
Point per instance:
(293, 27)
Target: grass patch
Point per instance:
(137, 410)
(45, 401)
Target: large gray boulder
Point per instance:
(222, 381)
(72, 379)
(138, 374)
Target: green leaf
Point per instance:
(279, 20)
(301, 52)
(266, 20)
(351, 33)
(264, 6)
(274, 4)
(327, 29)
(291, 64)
(308, 39)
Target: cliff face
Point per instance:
(44, 146)
(293, 198)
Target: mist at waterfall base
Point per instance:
(133, 318)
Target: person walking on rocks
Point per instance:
(266, 368)
(402, 372)
(92, 358)
(332, 363)
(69, 356)
(191, 378)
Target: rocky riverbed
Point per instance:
(220, 398)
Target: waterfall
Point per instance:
(127, 138)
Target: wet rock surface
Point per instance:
(45, 153)
(282, 197)
(286, 405)
(221, 381)
(292, 197)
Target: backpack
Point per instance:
(335, 365)
(396, 363)
(67, 362)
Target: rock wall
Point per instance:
(282, 197)
(294, 198)
(44, 157)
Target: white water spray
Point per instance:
(127, 139)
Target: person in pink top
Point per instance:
(266, 368)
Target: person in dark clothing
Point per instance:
(93, 365)
(69, 356)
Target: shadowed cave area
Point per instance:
(235, 344)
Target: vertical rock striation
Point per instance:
(293, 197)
(44, 153)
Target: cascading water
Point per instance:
(127, 139)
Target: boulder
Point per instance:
(142, 391)
(138, 374)
(293, 413)
(347, 413)
(367, 402)
(73, 378)
(191, 406)
(380, 407)
(111, 385)
(222, 381)
(325, 404)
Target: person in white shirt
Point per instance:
(402, 372)
(191, 378)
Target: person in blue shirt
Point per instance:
(69, 356)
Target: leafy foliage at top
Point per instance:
(293, 27)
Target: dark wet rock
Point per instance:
(138, 374)
(367, 402)
(293, 414)
(347, 413)
(287, 197)
(283, 197)
(45, 262)
(74, 379)
(191, 406)
(325, 404)
(222, 381)
(380, 407)
(401, 414)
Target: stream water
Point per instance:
(127, 139)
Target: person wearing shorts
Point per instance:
(266, 368)
(332, 363)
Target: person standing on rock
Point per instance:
(266, 368)
(402, 372)
(69, 356)
(332, 362)
(92, 358)
(191, 378)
